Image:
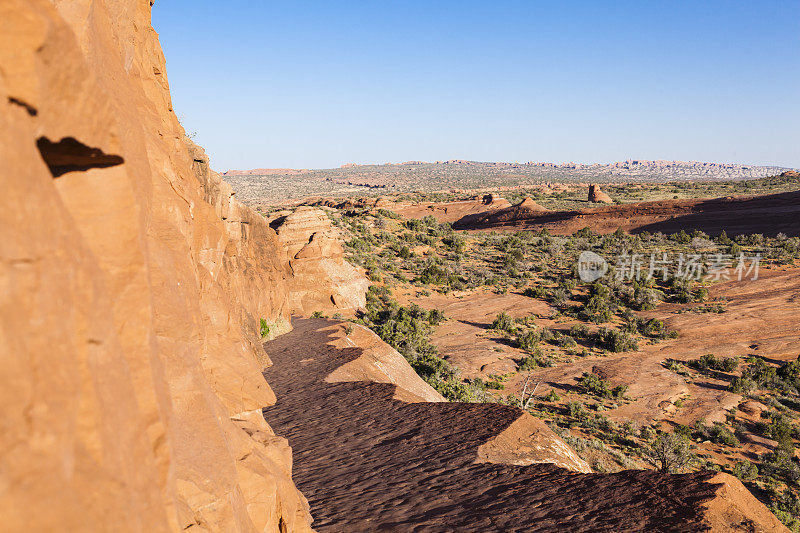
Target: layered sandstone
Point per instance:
(132, 286)
(321, 278)
(597, 196)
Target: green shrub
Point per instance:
(576, 410)
(742, 385)
(527, 339)
(552, 396)
(669, 452)
(504, 322)
(264, 328)
(745, 470)
(616, 341)
(591, 383)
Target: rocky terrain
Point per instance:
(769, 214)
(370, 462)
(321, 279)
(143, 306)
(270, 186)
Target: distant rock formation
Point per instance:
(529, 205)
(322, 280)
(597, 196)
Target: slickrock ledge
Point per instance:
(368, 461)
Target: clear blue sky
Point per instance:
(307, 84)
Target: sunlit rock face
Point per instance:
(321, 279)
(132, 285)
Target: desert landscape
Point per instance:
(452, 346)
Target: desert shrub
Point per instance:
(653, 327)
(536, 291)
(669, 452)
(533, 361)
(705, 362)
(527, 339)
(789, 373)
(762, 374)
(616, 341)
(597, 309)
(548, 335)
(408, 330)
(779, 464)
(781, 430)
(404, 252)
(722, 435)
(700, 294)
(567, 342)
(745, 470)
(577, 410)
(729, 364)
(558, 297)
(552, 396)
(644, 298)
(495, 384)
(433, 275)
(681, 237)
(454, 242)
(504, 322)
(591, 383)
(742, 385)
(263, 328)
(579, 331)
(512, 257)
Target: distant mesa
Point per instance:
(265, 172)
(597, 196)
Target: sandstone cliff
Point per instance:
(132, 286)
(321, 279)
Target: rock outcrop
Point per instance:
(597, 196)
(132, 286)
(321, 279)
(528, 204)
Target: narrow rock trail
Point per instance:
(368, 462)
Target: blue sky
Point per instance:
(306, 84)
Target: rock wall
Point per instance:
(131, 286)
(321, 279)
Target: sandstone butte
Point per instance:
(133, 287)
(597, 196)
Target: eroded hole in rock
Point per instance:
(71, 155)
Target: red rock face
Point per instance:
(132, 286)
(598, 196)
(321, 279)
